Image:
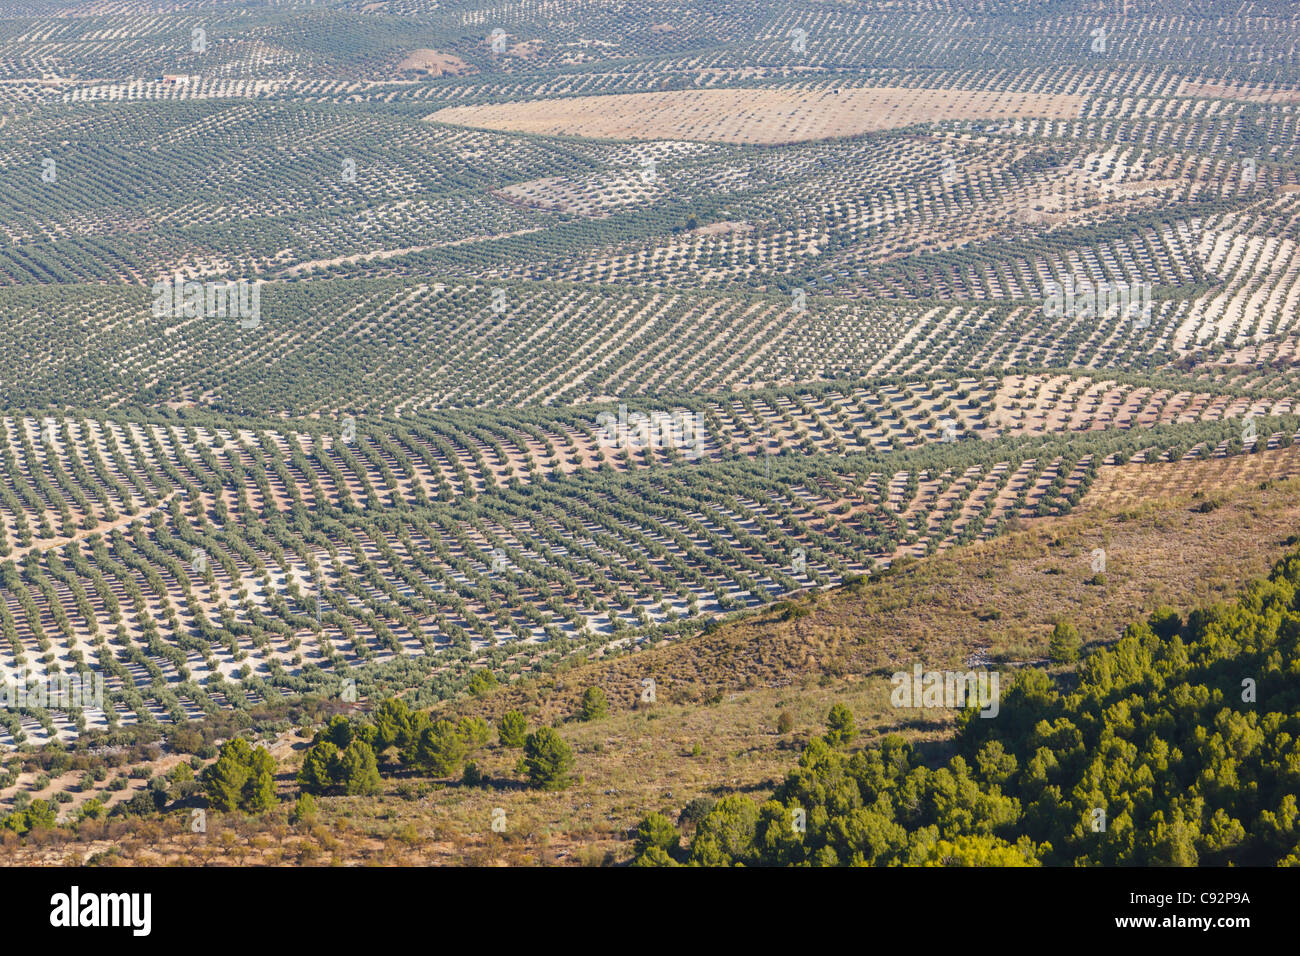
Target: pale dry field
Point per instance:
(1231, 92)
(759, 117)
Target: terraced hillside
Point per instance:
(357, 346)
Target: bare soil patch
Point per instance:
(434, 63)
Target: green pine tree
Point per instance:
(594, 705)
(259, 789)
(1065, 645)
(224, 781)
(319, 768)
(547, 759)
(512, 729)
(358, 770)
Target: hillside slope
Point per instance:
(712, 729)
